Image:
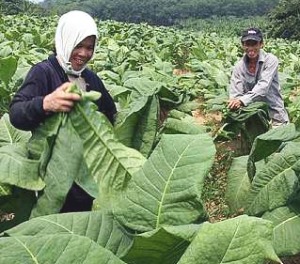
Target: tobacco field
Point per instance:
(154, 175)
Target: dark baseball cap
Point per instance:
(252, 34)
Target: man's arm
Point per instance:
(236, 89)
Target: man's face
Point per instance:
(251, 48)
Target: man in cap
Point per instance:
(255, 78)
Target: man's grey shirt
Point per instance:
(261, 86)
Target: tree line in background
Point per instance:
(163, 12)
(283, 15)
(13, 7)
(285, 18)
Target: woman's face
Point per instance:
(82, 53)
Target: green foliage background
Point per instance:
(156, 12)
(283, 15)
(163, 12)
(286, 20)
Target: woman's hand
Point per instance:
(234, 104)
(60, 100)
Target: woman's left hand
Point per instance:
(60, 100)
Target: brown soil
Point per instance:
(291, 260)
(181, 71)
(203, 118)
(294, 94)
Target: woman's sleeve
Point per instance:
(26, 108)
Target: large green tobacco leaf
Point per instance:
(65, 248)
(244, 113)
(43, 139)
(162, 76)
(269, 142)
(164, 245)
(9, 134)
(167, 190)
(170, 99)
(61, 170)
(176, 126)
(238, 184)
(143, 86)
(181, 123)
(242, 239)
(141, 124)
(277, 183)
(286, 220)
(110, 162)
(129, 112)
(85, 180)
(212, 70)
(100, 227)
(142, 89)
(137, 123)
(144, 137)
(8, 68)
(16, 169)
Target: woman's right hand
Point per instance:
(60, 100)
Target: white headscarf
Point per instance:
(72, 28)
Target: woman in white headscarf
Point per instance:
(73, 28)
(43, 90)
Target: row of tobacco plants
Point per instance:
(146, 173)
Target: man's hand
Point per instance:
(234, 104)
(60, 100)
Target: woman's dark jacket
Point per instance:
(26, 109)
(27, 113)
